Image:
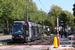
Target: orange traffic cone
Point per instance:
(55, 42)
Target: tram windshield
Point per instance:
(17, 29)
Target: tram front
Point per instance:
(17, 31)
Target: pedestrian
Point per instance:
(69, 32)
(61, 34)
(65, 34)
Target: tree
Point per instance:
(16, 10)
(63, 15)
(52, 15)
(12, 10)
(69, 18)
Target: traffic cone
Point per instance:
(55, 42)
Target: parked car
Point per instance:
(45, 31)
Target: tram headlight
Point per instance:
(22, 37)
(12, 36)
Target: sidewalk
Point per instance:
(64, 45)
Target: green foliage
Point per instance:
(48, 34)
(69, 18)
(11, 10)
(16, 10)
(63, 15)
(44, 34)
(52, 15)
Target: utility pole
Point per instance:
(43, 21)
(43, 24)
(58, 30)
(27, 12)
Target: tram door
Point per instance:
(27, 31)
(24, 33)
(34, 32)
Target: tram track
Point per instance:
(46, 40)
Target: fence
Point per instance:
(72, 39)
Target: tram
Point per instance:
(26, 31)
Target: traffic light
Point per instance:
(74, 10)
(61, 23)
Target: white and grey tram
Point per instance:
(26, 31)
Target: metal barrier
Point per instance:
(71, 39)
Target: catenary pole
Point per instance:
(27, 12)
(43, 21)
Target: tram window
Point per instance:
(17, 23)
(37, 30)
(40, 29)
(33, 30)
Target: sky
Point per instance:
(64, 4)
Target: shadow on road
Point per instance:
(10, 42)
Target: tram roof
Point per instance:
(23, 22)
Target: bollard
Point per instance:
(55, 42)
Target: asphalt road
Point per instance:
(5, 38)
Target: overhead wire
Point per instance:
(43, 5)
